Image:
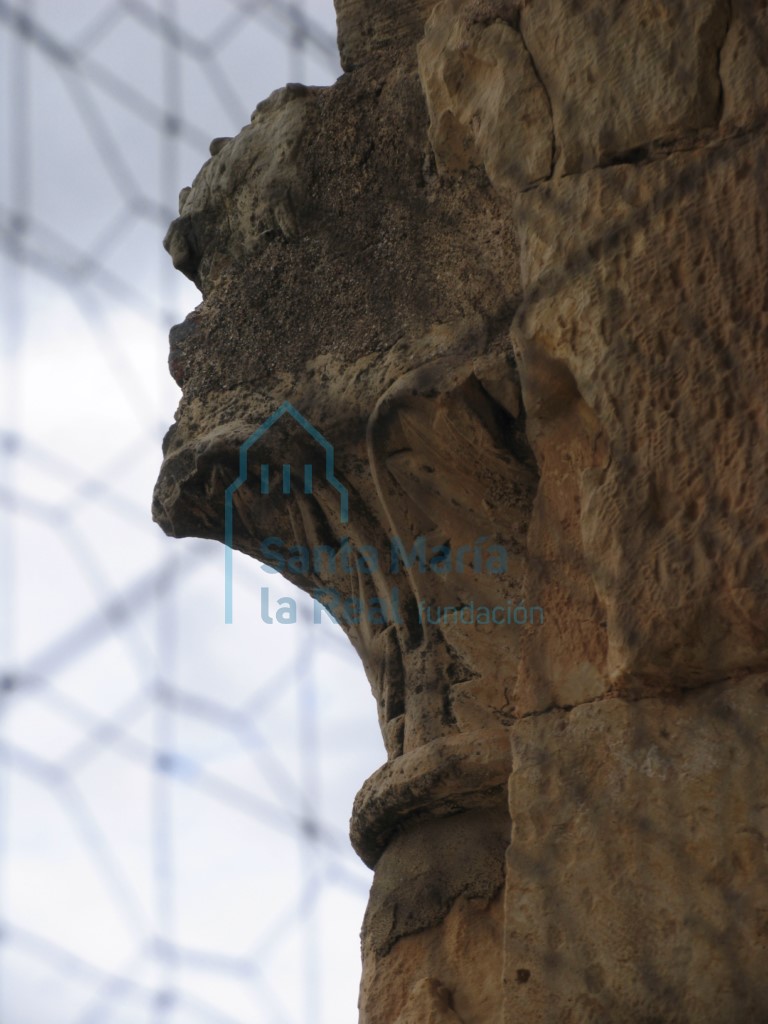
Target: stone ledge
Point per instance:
(451, 774)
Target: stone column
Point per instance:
(510, 267)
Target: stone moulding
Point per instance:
(444, 777)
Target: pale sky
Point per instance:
(155, 764)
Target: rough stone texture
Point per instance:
(437, 862)
(638, 887)
(429, 1002)
(512, 266)
(621, 76)
(369, 28)
(639, 346)
(744, 65)
(462, 960)
(433, 781)
(486, 103)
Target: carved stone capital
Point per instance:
(509, 270)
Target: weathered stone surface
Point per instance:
(420, 398)
(462, 955)
(637, 884)
(431, 864)
(429, 1002)
(645, 264)
(264, 151)
(369, 28)
(511, 267)
(438, 779)
(486, 103)
(621, 76)
(639, 343)
(744, 65)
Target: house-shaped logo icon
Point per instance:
(286, 477)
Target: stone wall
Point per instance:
(511, 265)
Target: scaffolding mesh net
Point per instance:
(174, 792)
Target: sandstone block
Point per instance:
(622, 75)
(486, 104)
(637, 875)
